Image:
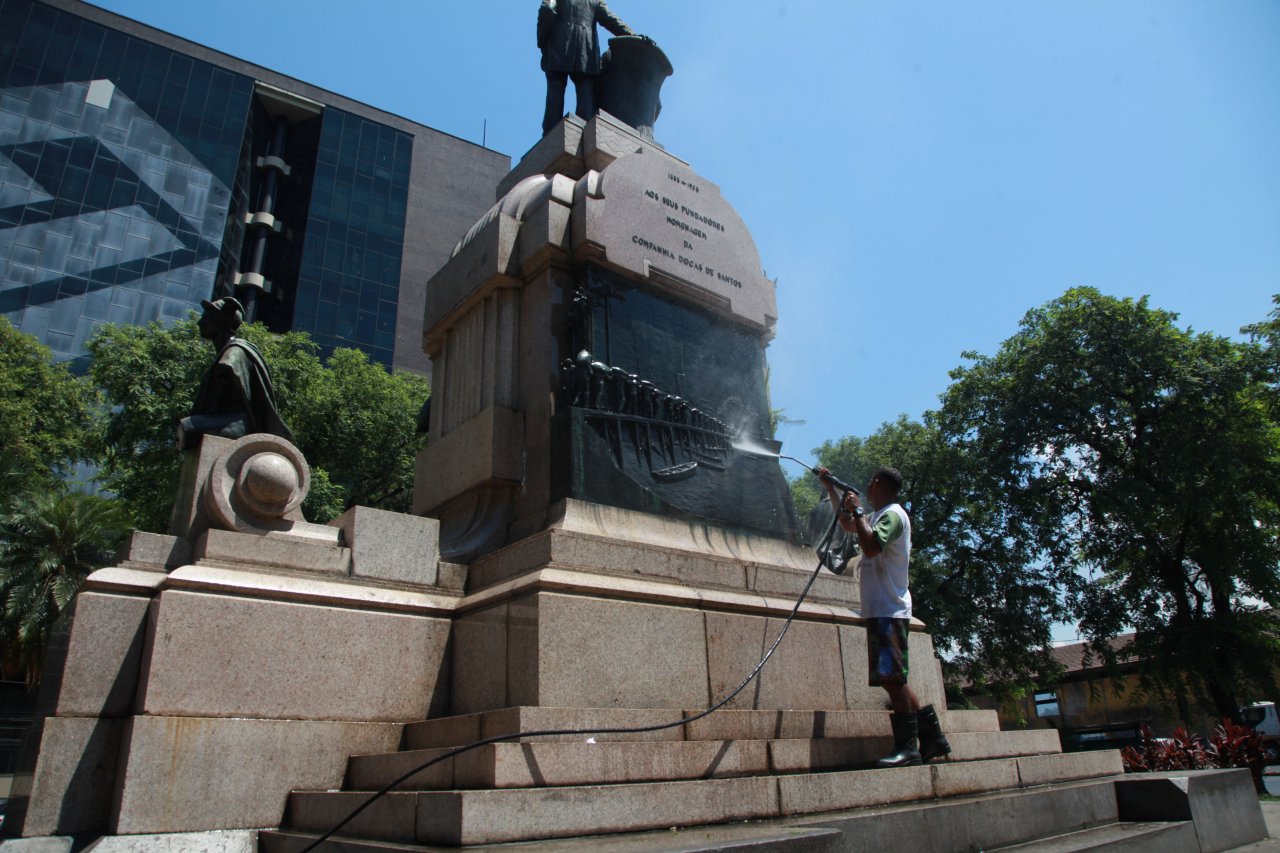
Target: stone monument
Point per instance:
(588, 551)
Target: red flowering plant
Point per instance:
(1230, 745)
(1238, 746)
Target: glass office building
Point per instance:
(140, 173)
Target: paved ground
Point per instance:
(1271, 812)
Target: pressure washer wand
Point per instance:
(835, 481)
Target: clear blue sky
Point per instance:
(917, 174)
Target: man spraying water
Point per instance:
(885, 539)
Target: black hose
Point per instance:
(826, 540)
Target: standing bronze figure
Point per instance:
(571, 51)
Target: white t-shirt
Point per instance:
(884, 577)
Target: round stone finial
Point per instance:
(258, 483)
(269, 481)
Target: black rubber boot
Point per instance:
(906, 745)
(933, 743)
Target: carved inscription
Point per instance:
(688, 223)
(657, 218)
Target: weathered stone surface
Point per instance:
(972, 746)
(805, 756)
(237, 550)
(486, 447)
(372, 772)
(926, 671)
(805, 671)
(772, 725)
(825, 792)
(185, 773)
(751, 837)
(953, 779)
(310, 590)
(393, 817)
(451, 576)
(557, 152)
(225, 656)
(497, 816)
(548, 764)
(1222, 803)
(524, 661)
(858, 695)
(242, 841)
(1129, 837)
(603, 653)
(735, 644)
(984, 822)
(100, 676)
(155, 549)
(479, 661)
(456, 731)
(391, 546)
(189, 518)
(126, 580)
(651, 206)
(71, 789)
(488, 817)
(1043, 769)
(46, 844)
(969, 721)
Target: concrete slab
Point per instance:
(1045, 769)
(100, 676)
(827, 792)
(71, 788)
(805, 756)
(228, 656)
(1222, 803)
(391, 546)
(983, 822)
(45, 844)
(974, 746)
(184, 773)
(489, 817)
(603, 653)
(184, 842)
(1127, 837)
(457, 731)
(773, 725)
(227, 548)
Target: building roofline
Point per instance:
(235, 64)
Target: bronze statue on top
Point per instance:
(571, 50)
(236, 397)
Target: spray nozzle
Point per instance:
(836, 481)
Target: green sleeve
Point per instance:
(887, 529)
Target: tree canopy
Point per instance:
(354, 421)
(45, 411)
(1107, 467)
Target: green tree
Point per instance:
(353, 420)
(1130, 470)
(45, 411)
(50, 540)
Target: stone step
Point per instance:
(738, 838)
(1165, 837)
(557, 763)
(449, 732)
(510, 815)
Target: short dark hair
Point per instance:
(891, 477)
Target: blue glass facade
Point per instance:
(116, 161)
(129, 169)
(349, 284)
